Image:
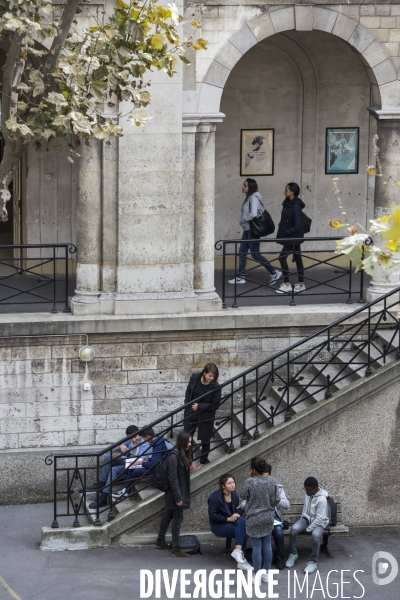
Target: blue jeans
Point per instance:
(277, 534)
(254, 248)
(106, 468)
(134, 474)
(235, 530)
(115, 472)
(262, 552)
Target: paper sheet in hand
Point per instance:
(132, 463)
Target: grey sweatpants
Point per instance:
(316, 536)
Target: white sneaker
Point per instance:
(238, 555)
(311, 567)
(299, 288)
(119, 494)
(245, 566)
(238, 280)
(284, 288)
(274, 277)
(291, 560)
(264, 578)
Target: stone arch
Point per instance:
(372, 53)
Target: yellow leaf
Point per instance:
(371, 170)
(194, 24)
(122, 5)
(157, 41)
(393, 233)
(335, 224)
(392, 245)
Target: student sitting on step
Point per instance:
(226, 518)
(277, 532)
(155, 451)
(314, 519)
(135, 447)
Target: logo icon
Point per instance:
(380, 568)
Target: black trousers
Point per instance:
(191, 427)
(176, 516)
(287, 251)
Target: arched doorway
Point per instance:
(298, 83)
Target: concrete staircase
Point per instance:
(348, 379)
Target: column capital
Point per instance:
(392, 114)
(194, 119)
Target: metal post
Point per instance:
(231, 447)
(97, 519)
(55, 524)
(256, 433)
(361, 299)
(349, 300)
(292, 302)
(223, 274)
(288, 416)
(368, 370)
(75, 505)
(54, 310)
(328, 393)
(66, 308)
(244, 439)
(235, 304)
(111, 515)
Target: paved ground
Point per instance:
(26, 573)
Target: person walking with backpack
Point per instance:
(250, 209)
(261, 493)
(177, 495)
(291, 226)
(201, 415)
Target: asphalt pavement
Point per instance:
(27, 573)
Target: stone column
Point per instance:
(89, 230)
(204, 197)
(387, 194)
(109, 225)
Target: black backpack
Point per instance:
(332, 511)
(189, 544)
(306, 223)
(160, 478)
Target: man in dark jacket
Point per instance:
(200, 415)
(291, 226)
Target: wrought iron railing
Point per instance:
(260, 397)
(327, 274)
(35, 274)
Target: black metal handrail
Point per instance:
(17, 288)
(264, 394)
(339, 280)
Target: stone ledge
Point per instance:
(43, 324)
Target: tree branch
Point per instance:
(59, 41)
(11, 65)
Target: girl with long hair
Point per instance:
(201, 415)
(226, 518)
(177, 496)
(250, 209)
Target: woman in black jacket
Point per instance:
(226, 518)
(291, 226)
(177, 496)
(201, 415)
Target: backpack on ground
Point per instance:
(306, 223)
(332, 511)
(190, 544)
(160, 478)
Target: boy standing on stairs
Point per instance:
(314, 519)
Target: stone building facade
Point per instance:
(145, 214)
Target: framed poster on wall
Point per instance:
(256, 152)
(341, 150)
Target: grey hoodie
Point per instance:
(315, 510)
(250, 210)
